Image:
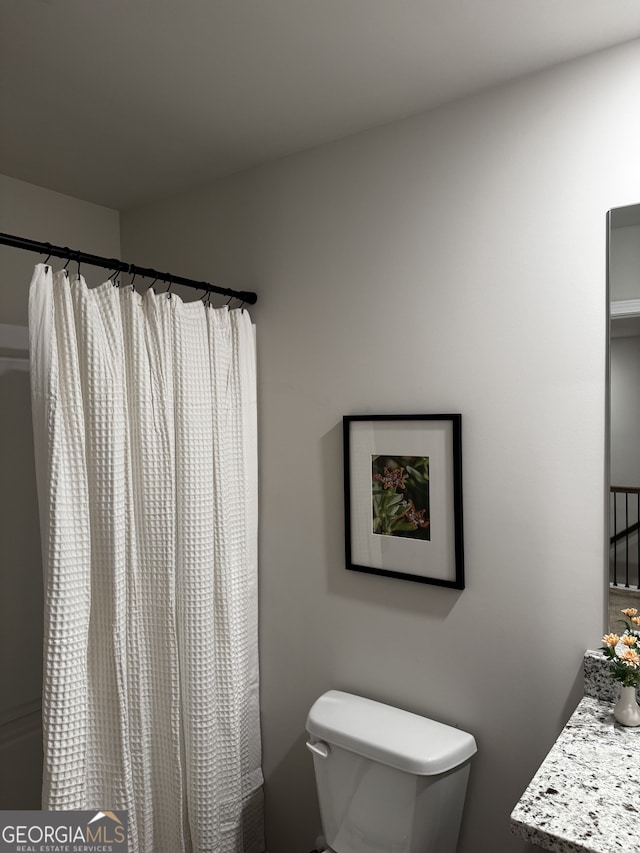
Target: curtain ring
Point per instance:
(78, 262)
(46, 260)
(68, 251)
(168, 291)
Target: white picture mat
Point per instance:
(434, 558)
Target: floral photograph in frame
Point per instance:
(403, 497)
(400, 496)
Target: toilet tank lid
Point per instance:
(389, 735)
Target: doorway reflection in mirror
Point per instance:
(624, 408)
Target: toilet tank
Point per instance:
(388, 781)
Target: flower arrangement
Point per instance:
(625, 665)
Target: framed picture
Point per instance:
(403, 497)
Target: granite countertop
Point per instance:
(586, 794)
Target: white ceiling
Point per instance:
(123, 101)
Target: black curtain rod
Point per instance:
(121, 266)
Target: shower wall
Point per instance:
(40, 214)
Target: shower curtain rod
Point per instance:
(114, 264)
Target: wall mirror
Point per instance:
(623, 275)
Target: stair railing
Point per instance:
(625, 524)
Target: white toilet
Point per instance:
(388, 781)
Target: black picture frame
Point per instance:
(403, 497)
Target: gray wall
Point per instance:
(451, 262)
(625, 412)
(624, 283)
(624, 275)
(27, 211)
(41, 214)
(624, 396)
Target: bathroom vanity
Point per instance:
(586, 794)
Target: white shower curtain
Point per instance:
(145, 435)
